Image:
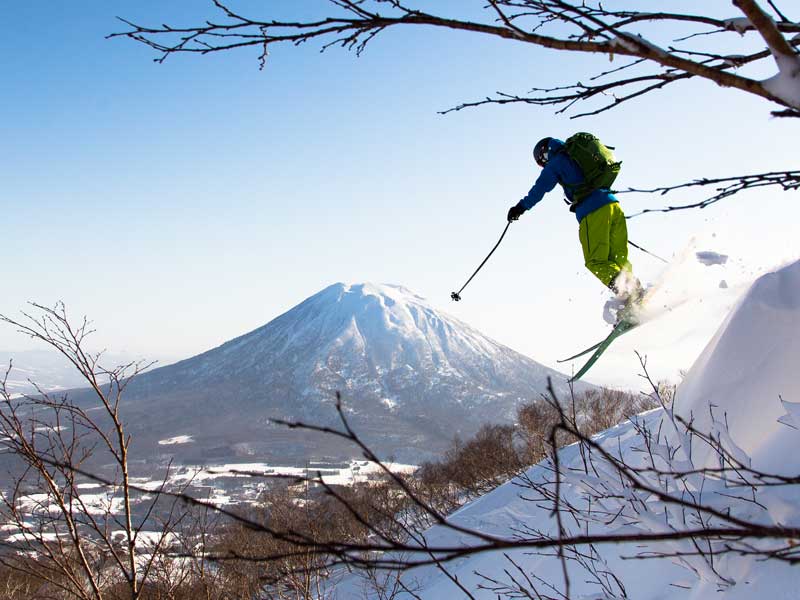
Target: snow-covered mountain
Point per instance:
(744, 392)
(411, 378)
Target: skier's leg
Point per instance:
(618, 238)
(626, 284)
(594, 232)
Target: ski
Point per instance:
(622, 328)
(581, 353)
(589, 349)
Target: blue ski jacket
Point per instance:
(562, 169)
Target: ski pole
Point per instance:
(457, 295)
(647, 252)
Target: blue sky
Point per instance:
(180, 205)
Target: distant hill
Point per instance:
(48, 369)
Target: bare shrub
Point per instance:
(475, 465)
(81, 544)
(601, 409)
(535, 421)
(16, 585)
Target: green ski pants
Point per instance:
(604, 239)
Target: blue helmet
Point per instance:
(541, 152)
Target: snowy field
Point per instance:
(260, 474)
(222, 485)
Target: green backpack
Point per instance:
(596, 162)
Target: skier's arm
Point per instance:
(546, 181)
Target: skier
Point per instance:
(602, 230)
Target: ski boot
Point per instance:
(630, 293)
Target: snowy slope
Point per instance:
(411, 378)
(751, 361)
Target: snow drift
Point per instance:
(748, 367)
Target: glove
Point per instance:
(515, 212)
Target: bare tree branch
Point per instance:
(582, 27)
(726, 187)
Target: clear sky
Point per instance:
(183, 204)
